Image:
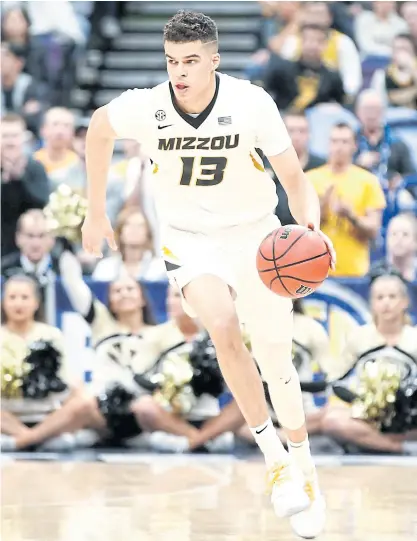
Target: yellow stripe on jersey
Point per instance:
(257, 165)
(168, 255)
(155, 168)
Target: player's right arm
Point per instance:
(98, 155)
(122, 118)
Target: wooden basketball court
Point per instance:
(171, 498)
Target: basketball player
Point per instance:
(216, 203)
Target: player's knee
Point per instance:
(226, 334)
(275, 361)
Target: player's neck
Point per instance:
(201, 101)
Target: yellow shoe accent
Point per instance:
(309, 490)
(276, 476)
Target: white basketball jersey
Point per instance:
(207, 171)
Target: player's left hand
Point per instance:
(328, 243)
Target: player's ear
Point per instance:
(215, 60)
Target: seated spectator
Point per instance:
(298, 129)
(34, 244)
(61, 162)
(24, 183)
(38, 251)
(375, 30)
(305, 82)
(409, 13)
(20, 92)
(280, 19)
(388, 338)
(402, 245)
(398, 82)
(136, 256)
(56, 34)
(398, 198)
(340, 53)
(379, 150)
(23, 415)
(351, 201)
(15, 24)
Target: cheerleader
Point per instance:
(31, 393)
(127, 344)
(390, 337)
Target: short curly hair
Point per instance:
(188, 26)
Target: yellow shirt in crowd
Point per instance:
(70, 158)
(69, 170)
(362, 191)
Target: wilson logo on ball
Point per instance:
(285, 234)
(304, 290)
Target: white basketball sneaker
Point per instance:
(286, 487)
(310, 523)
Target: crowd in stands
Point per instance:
(344, 75)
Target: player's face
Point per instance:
(190, 68)
(388, 300)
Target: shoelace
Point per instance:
(276, 476)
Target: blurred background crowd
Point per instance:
(101, 352)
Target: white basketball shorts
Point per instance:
(230, 254)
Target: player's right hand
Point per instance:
(94, 230)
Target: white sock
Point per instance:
(269, 443)
(300, 452)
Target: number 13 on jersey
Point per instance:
(210, 168)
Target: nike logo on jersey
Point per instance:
(262, 429)
(163, 127)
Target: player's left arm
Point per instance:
(273, 139)
(302, 197)
(303, 200)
